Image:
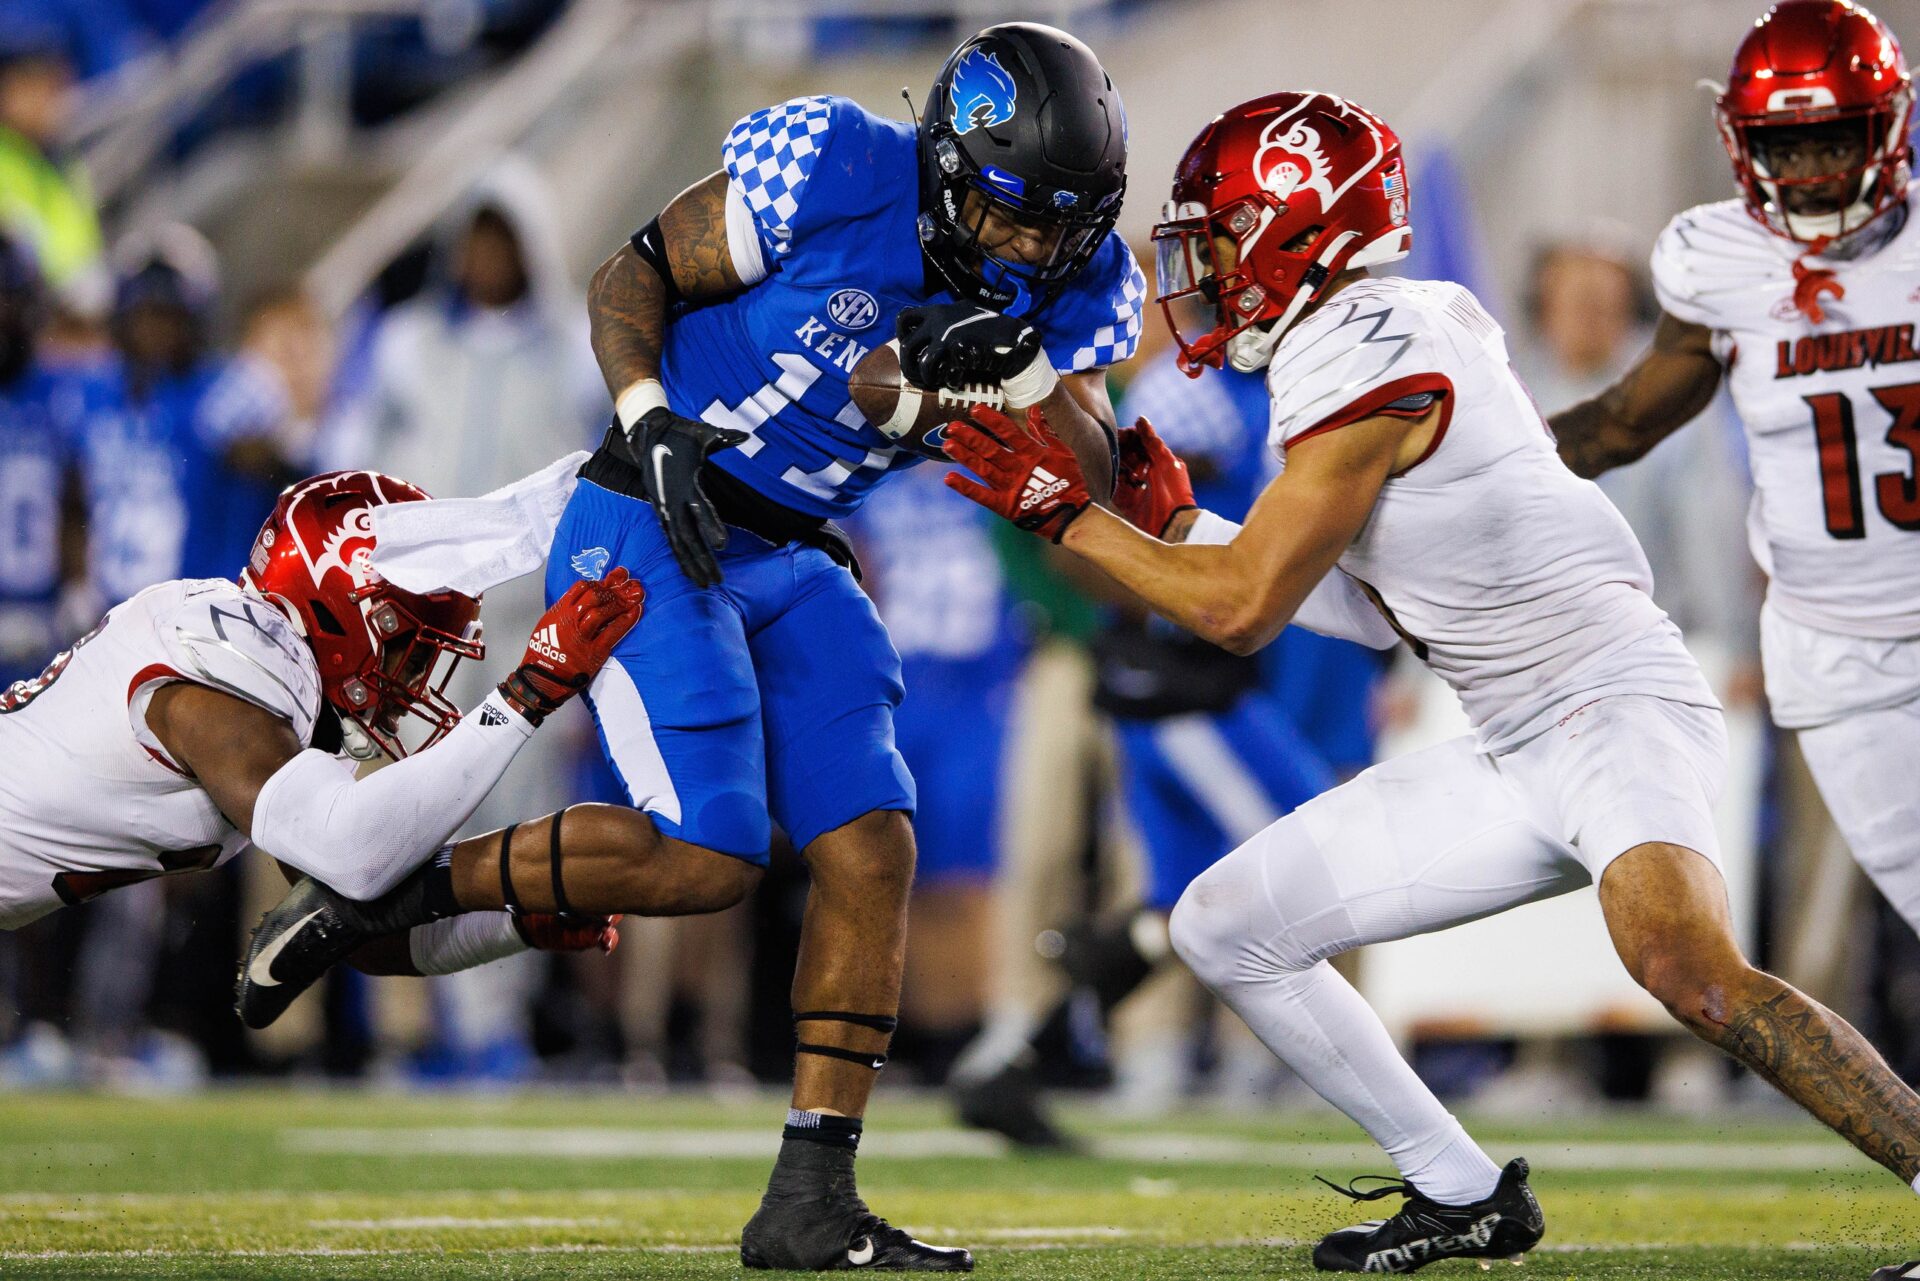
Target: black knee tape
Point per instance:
(507, 896)
(865, 1058)
(560, 904)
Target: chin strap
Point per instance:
(865, 1058)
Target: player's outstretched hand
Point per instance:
(574, 932)
(955, 344)
(571, 642)
(1031, 478)
(668, 452)
(1153, 486)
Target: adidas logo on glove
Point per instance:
(546, 643)
(1041, 485)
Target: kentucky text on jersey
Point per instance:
(1848, 349)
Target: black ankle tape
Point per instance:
(553, 858)
(819, 1127)
(507, 897)
(878, 1022)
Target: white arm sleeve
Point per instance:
(1335, 607)
(362, 836)
(462, 942)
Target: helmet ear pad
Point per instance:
(1024, 116)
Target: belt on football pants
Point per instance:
(734, 501)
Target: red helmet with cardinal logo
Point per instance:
(378, 648)
(1271, 202)
(1810, 63)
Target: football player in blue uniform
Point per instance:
(39, 506)
(760, 687)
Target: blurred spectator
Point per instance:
(39, 516)
(482, 378)
(44, 199)
(932, 570)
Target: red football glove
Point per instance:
(574, 933)
(1153, 486)
(571, 642)
(1031, 478)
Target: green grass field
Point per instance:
(336, 1185)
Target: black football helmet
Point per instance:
(1024, 115)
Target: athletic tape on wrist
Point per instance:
(1031, 385)
(638, 400)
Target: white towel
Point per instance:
(468, 545)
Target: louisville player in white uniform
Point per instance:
(1421, 497)
(1801, 295)
(203, 716)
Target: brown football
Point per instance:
(912, 417)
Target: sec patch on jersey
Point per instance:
(914, 418)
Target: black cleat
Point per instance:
(1504, 1226)
(1008, 1103)
(812, 1220)
(310, 931)
(1898, 1272)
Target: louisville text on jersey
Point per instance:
(1848, 349)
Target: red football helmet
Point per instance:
(1809, 63)
(378, 647)
(1273, 200)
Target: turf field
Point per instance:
(311, 1184)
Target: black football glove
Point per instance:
(668, 451)
(955, 344)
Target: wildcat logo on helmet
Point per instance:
(1065, 199)
(981, 93)
(853, 309)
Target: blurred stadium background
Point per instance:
(279, 236)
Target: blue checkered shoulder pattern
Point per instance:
(770, 156)
(1115, 341)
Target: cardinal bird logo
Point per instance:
(981, 92)
(1290, 160)
(1293, 157)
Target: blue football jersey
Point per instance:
(156, 507)
(834, 194)
(33, 466)
(934, 573)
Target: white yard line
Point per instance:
(437, 1221)
(599, 1143)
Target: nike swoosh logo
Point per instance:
(861, 1255)
(260, 972)
(660, 452)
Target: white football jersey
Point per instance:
(1515, 580)
(1832, 411)
(89, 800)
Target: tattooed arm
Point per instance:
(627, 300)
(1663, 391)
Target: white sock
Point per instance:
(1326, 1032)
(1458, 1174)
